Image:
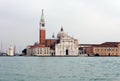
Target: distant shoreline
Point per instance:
(59, 56)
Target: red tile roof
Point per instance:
(108, 44)
(38, 46)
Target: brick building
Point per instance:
(63, 45)
(104, 49)
(107, 49)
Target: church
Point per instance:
(63, 45)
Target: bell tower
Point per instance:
(42, 30)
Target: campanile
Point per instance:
(42, 30)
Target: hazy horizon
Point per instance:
(89, 21)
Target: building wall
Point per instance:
(66, 47)
(85, 49)
(29, 51)
(50, 42)
(89, 50)
(107, 51)
(104, 49)
(38, 51)
(11, 51)
(42, 36)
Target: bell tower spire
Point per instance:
(42, 21)
(42, 36)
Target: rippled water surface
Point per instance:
(59, 68)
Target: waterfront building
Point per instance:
(104, 49)
(107, 49)
(11, 51)
(38, 50)
(63, 45)
(86, 48)
(66, 45)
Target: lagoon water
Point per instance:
(59, 68)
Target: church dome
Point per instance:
(61, 34)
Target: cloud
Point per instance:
(91, 21)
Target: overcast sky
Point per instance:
(90, 21)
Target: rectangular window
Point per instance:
(98, 49)
(101, 49)
(112, 49)
(38, 51)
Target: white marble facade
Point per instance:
(66, 45)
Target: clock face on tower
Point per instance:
(43, 25)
